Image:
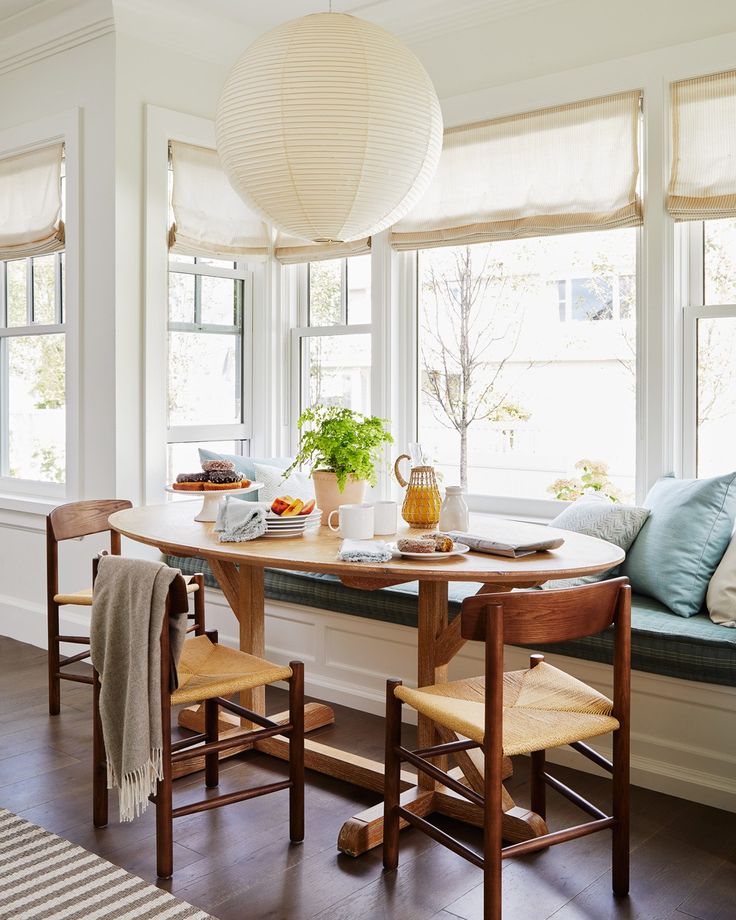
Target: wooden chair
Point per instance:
(69, 522)
(522, 712)
(210, 672)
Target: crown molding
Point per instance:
(51, 27)
(55, 46)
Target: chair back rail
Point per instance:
(80, 519)
(552, 615)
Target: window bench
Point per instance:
(661, 643)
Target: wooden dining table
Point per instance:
(239, 570)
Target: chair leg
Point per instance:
(296, 752)
(199, 609)
(621, 807)
(392, 777)
(211, 761)
(99, 760)
(164, 817)
(53, 660)
(538, 785)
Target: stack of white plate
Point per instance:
(292, 526)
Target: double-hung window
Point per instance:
(33, 424)
(702, 198)
(332, 343)
(32, 369)
(209, 336)
(526, 361)
(709, 322)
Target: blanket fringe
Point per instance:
(136, 785)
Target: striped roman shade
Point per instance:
(565, 169)
(703, 178)
(30, 203)
(289, 250)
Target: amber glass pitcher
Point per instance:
(422, 501)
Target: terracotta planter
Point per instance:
(329, 496)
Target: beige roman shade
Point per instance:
(30, 203)
(289, 250)
(703, 179)
(210, 218)
(560, 170)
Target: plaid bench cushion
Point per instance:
(691, 648)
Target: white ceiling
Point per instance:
(414, 20)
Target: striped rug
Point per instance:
(44, 877)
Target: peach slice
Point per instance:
(308, 508)
(294, 508)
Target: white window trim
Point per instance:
(692, 307)
(263, 361)
(179, 434)
(23, 494)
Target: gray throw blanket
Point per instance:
(127, 618)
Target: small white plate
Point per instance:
(459, 550)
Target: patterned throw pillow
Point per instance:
(298, 485)
(597, 517)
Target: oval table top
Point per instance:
(173, 530)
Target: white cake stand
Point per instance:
(211, 499)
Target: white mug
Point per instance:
(355, 521)
(385, 517)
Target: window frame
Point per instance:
(63, 127)
(690, 240)
(299, 375)
(531, 509)
(239, 432)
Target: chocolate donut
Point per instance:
(192, 477)
(223, 476)
(211, 466)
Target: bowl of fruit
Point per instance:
(290, 517)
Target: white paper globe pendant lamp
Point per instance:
(329, 127)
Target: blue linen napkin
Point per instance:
(238, 521)
(364, 551)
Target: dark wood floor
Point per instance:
(237, 862)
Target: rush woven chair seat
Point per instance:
(209, 673)
(70, 522)
(521, 712)
(543, 707)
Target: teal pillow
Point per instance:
(245, 465)
(682, 541)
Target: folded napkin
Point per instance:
(364, 551)
(238, 521)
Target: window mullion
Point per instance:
(344, 293)
(3, 297)
(198, 300)
(4, 408)
(29, 292)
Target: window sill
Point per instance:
(29, 504)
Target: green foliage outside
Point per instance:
(344, 442)
(593, 479)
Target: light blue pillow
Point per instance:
(245, 465)
(682, 541)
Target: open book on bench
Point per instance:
(511, 538)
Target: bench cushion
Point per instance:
(691, 648)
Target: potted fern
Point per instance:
(342, 448)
